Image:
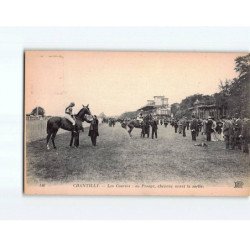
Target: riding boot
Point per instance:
(74, 129)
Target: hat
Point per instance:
(72, 104)
(209, 117)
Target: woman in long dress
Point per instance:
(214, 136)
(219, 130)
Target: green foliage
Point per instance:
(188, 102)
(129, 114)
(174, 108)
(235, 94)
(102, 115)
(38, 111)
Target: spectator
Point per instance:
(93, 130)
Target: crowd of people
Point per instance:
(234, 131)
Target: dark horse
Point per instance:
(56, 122)
(144, 126)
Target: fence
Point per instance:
(37, 130)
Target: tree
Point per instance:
(174, 108)
(188, 103)
(240, 90)
(235, 94)
(129, 114)
(102, 115)
(38, 111)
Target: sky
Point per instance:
(115, 82)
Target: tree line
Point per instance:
(234, 94)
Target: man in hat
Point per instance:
(194, 127)
(180, 126)
(154, 126)
(209, 128)
(184, 126)
(165, 122)
(93, 130)
(175, 123)
(227, 131)
(237, 127)
(188, 123)
(245, 135)
(69, 115)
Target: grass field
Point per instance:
(118, 158)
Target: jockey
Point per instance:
(139, 118)
(69, 113)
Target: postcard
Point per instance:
(136, 123)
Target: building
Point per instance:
(158, 106)
(203, 111)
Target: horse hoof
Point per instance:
(48, 148)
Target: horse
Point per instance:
(144, 126)
(56, 122)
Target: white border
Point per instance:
(16, 206)
(125, 13)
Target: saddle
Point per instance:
(69, 124)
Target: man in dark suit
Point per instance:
(154, 126)
(245, 135)
(194, 127)
(209, 128)
(188, 123)
(227, 131)
(93, 130)
(175, 125)
(184, 126)
(237, 127)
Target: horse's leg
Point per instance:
(130, 130)
(95, 136)
(72, 138)
(142, 132)
(48, 138)
(53, 138)
(92, 140)
(76, 142)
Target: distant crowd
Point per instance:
(234, 131)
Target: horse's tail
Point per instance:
(49, 126)
(53, 124)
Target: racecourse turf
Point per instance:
(119, 158)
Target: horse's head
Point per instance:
(84, 114)
(124, 125)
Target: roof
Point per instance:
(146, 108)
(204, 106)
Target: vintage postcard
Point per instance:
(136, 123)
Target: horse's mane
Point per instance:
(79, 114)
